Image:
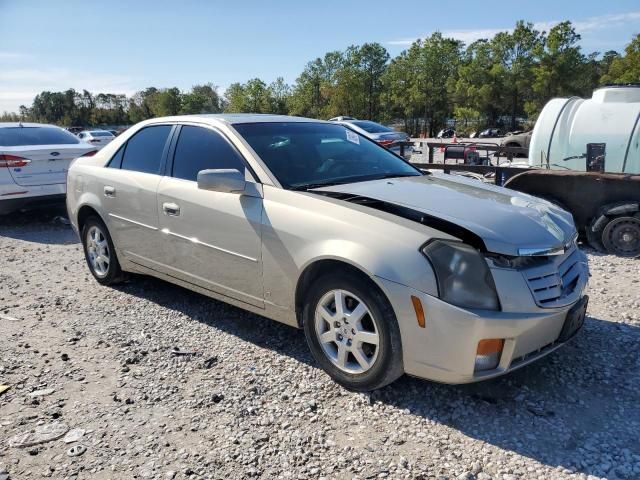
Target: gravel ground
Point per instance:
(242, 398)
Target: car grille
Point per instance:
(553, 282)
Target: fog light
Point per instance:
(488, 354)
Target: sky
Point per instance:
(119, 46)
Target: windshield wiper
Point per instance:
(391, 175)
(342, 181)
(309, 186)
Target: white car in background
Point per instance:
(97, 138)
(34, 159)
(385, 136)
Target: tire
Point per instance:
(340, 343)
(97, 243)
(594, 238)
(621, 236)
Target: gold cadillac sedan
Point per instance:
(387, 269)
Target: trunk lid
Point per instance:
(48, 163)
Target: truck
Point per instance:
(584, 155)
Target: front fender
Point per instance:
(299, 230)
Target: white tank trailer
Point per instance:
(585, 156)
(604, 127)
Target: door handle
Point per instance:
(171, 209)
(109, 191)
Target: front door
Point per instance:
(212, 239)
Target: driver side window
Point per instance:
(201, 148)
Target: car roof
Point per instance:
(237, 118)
(25, 124)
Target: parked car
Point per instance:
(491, 133)
(385, 136)
(522, 140)
(386, 269)
(446, 133)
(97, 138)
(74, 130)
(34, 159)
(341, 118)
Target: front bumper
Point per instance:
(445, 349)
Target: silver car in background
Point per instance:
(385, 136)
(387, 270)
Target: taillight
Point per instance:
(13, 161)
(385, 142)
(90, 154)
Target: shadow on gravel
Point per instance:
(577, 408)
(44, 225)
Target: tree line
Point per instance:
(502, 81)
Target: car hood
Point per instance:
(508, 222)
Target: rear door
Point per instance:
(49, 150)
(129, 187)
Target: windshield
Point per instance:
(22, 136)
(306, 155)
(371, 127)
(101, 134)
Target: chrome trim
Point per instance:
(132, 221)
(548, 251)
(198, 242)
(540, 252)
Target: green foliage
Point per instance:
(201, 99)
(561, 69)
(491, 82)
(625, 68)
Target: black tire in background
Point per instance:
(388, 365)
(621, 236)
(114, 273)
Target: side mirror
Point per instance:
(222, 180)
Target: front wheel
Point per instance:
(352, 332)
(100, 252)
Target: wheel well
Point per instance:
(84, 213)
(318, 269)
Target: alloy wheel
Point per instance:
(98, 251)
(347, 331)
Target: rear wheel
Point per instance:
(621, 236)
(100, 252)
(352, 332)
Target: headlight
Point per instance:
(463, 276)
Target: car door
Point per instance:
(129, 188)
(213, 239)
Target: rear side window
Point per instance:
(201, 149)
(144, 150)
(25, 136)
(116, 160)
